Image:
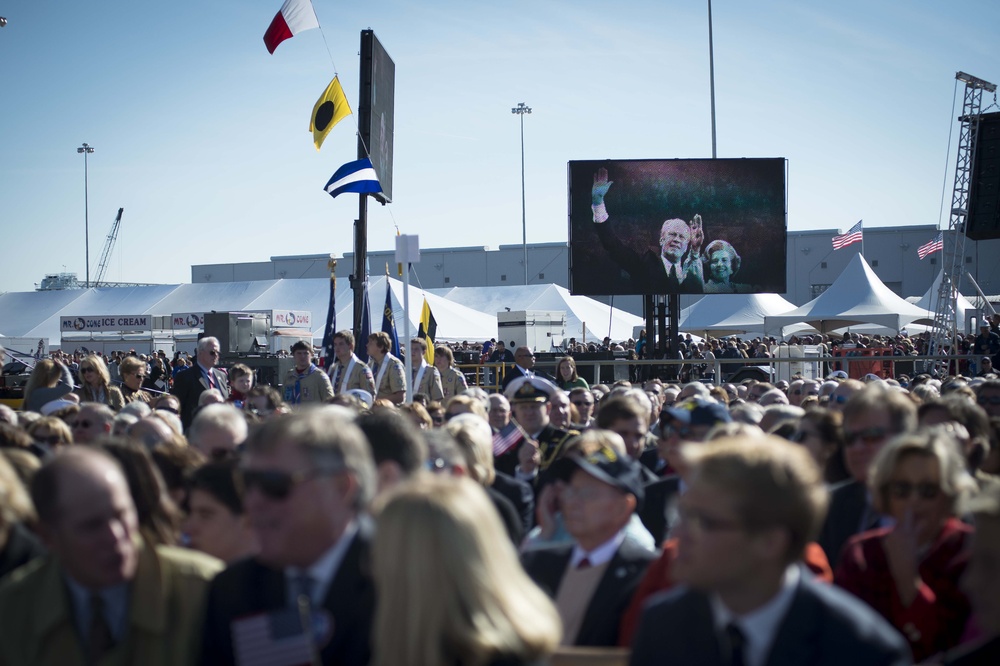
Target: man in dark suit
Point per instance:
(674, 268)
(524, 366)
(307, 478)
(592, 580)
(750, 509)
(203, 375)
(872, 416)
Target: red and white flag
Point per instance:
(294, 17)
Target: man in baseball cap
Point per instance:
(593, 578)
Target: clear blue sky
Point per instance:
(203, 136)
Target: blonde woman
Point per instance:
(460, 596)
(50, 380)
(452, 380)
(95, 384)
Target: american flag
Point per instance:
(271, 639)
(935, 245)
(507, 438)
(853, 235)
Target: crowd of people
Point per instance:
(156, 511)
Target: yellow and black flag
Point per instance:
(428, 331)
(330, 109)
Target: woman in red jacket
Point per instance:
(909, 569)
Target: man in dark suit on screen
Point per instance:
(674, 268)
(307, 480)
(592, 579)
(189, 384)
(752, 505)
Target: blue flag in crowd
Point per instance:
(331, 324)
(356, 177)
(389, 322)
(361, 348)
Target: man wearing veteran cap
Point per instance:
(593, 578)
(529, 398)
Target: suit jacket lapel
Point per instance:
(797, 635)
(620, 569)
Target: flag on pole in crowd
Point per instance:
(361, 348)
(294, 17)
(356, 176)
(330, 109)
(331, 319)
(389, 322)
(427, 330)
(853, 235)
(935, 245)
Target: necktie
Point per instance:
(99, 637)
(336, 378)
(211, 380)
(737, 645)
(303, 587)
(584, 563)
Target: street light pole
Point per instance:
(520, 110)
(86, 150)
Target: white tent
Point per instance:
(929, 301)
(856, 297)
(586, 318)
(732, 314)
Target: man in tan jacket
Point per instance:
(101, 596)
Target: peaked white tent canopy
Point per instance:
(929, 301)
(856, 297)
(732, 314)
(586, 318)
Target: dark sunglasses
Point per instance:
(867, 436)
(87, 370)
(274, 484)
(666, 428)
(905, 489)
(992, 400)
(582, 403)
(82, 424)
(49, 439)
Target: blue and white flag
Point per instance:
(356, 177)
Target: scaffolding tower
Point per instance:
(945, 328)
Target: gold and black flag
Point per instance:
(330, 109)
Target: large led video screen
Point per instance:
(696, 226)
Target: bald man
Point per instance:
(101, 595)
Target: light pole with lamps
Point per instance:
(520, 110)
(86, 150)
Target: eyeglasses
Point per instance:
(582, 403)
(82, 424)
(273, 484)
(867, 436)
(904, 490)
(87, 370)
(214, 352)
(49, 439)
(167, 409)
(700, 522)
(992, 400)
(666, 428)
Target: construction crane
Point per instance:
(109, 245)
(945, 328)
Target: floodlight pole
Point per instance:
(520, 110)
(86, 149)
(711, 73)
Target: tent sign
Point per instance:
(180, 320)
(291, 319)
(90, 324)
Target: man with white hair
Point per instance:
(670, 270)
(217, 429)
(189, 384)
(93, 421)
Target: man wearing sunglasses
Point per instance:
(872, 416)
(189, 384)
(307, 479)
